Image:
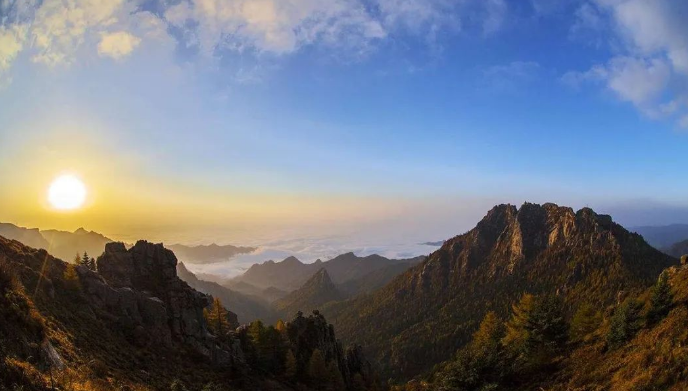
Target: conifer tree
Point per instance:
(92, 264)
(256, 331)
(487, 339)
(216, 316)
(516, 333)
(77, 259)
(85, 260)
(625, 323)
(546, 327)
(584, 322)
(660, 302)
(71, 277)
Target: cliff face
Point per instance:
(55, 316)
(580, 255)
(306, 334)
(152, 269)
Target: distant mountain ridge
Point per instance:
(678, 249)
(290, 274)
(537, 249)
(664, 236)
(65, 245)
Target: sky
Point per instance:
(378, 122)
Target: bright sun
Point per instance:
(67, 192)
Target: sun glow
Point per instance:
(67, 192)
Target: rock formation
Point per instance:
(307, 334)
(582, 256)
(150, 270)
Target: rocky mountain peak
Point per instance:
(151, 268)
(292, 260)
(318, 290)
(321, 280)
(534, 248)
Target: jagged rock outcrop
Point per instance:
(306, 334)
(582, 256)
(150, 269)
(142, 316)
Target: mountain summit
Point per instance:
(582, 256)
(318, 290)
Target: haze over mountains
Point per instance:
(291, 273)
(408, 315)
(65, 245)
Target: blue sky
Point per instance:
(379, 113)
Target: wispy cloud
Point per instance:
(60, 32)
(650, 67)
(117, 45)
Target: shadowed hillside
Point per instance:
(135, 325)
(423, 316)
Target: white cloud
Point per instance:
(59, 32)
(651, 69)
(11, 43)
(60, 27)
(274, 26)
(638, 80)
(117, 45)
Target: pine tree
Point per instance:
(85, 260)
(92, 264)
(625, 323)
(317, 369)
(516, 333)
(71, 277)
(546, 328)
(290, 365)
(487, 340)
(77, 259)
(584, 322)
(216, 316)
(660, 302)
(480, 363)
(256, 331)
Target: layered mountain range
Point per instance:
(290, 274)
(65, 245)
(408, 315)
(360, 275)
(426, 313)
(247, 308)
(134, 324)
